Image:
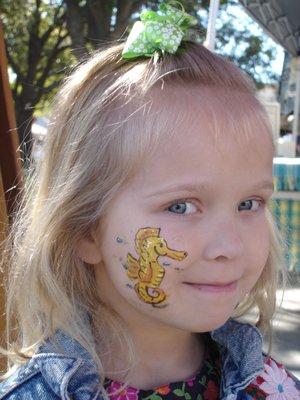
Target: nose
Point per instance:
(223, 241)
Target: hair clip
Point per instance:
(161, 31)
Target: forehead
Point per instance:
(207, 133)
(215, 108)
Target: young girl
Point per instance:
(145, 232)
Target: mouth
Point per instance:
(228, 287)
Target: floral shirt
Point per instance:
(273, 384)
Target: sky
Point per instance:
(241, 17)
(278, 62)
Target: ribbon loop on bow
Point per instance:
(158, 31)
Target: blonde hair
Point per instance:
(100, 132)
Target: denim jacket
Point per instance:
(51, 375)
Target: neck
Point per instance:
(163, 354)
(171, 358)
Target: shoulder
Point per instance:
(49, 377)
(60, 369)
(274, 383)
(26, 382)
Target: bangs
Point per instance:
(219, 112)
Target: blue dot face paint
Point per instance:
(120, 240)
(146, 270)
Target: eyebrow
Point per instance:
(205, 186)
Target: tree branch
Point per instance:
(56, 21)
(124, 11)
(99, 13)
(34, 45)
(75, 25)
(50, 60)
(53, 85)
(13, 65)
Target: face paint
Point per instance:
(146, 270)
(120, 240)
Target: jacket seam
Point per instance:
(64, 387)
(234, 389)
(18, 383)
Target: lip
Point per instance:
(214, 287)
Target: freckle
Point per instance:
(128, 285)
(178, 269)
(165, 264)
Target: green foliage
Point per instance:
(38, 47)
(246, 45)
(15, 28)
(39, 40)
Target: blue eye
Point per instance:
(181, 208)
(250, 205)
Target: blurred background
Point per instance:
(43, 40)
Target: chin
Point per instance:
(210, 324)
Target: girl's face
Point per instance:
(187, 238)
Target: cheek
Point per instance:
(177, 240)
(152, 264)
(179, 237)
(258, 251)
(260, 245)
(115, 245)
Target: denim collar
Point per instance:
(241, 356)
(68, 368)
(74, 373)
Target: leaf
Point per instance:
(179, 392)
(199, 397)
(203, 380)
(188, 396)
(155, 397)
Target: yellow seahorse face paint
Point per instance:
(146, 270)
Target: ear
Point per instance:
(88, 249)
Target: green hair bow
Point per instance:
(162, 30)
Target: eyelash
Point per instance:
(262, 203)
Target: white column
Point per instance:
(296, 103)
(211, 27)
